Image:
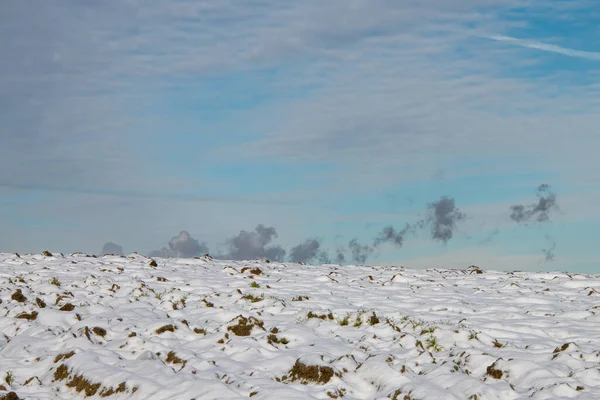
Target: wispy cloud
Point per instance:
(589, 55)
(383, 90)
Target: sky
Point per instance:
(304, 130)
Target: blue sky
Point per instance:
(132, 121)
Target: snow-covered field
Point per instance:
(117, 327)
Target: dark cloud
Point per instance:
(112, 248)
(185, 246)
(390, 234)
(354, 251)
(182, 246)
(359, 252)
(539, 211)
(254, 245)
(444, 216)
(309, 251)
(549, 254)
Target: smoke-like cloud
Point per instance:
(182, 246)
(309, 251)
(340, 258)
(185, 246)
(540, 210)
(444, 216)
(254, 245)
(549, 254)
(112, 248)
(390, 234)
(359, 252)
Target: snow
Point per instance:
(171, 331)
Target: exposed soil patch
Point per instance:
(29, 317)
(67, 307)
(310, 373)
(244, 326)
(18, 296)
(166, 328)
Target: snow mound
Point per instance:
(77, 326)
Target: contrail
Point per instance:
(589, 55)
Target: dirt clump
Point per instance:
(99, 331)
(83, 385)
(29, 317)
(166, 328)
(40, 303)
(493, 372)
(67, 307)
(64, 356)
(18, 296)
(61, 373)
(244, 326)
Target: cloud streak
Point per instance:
(565, 51)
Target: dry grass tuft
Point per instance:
(61, 373)
(374, 319)
(310, 373)
(110, 391)
(273, 339)
(173, 359)
(28, 381)
(46, 253)
(562, 348)
(474, 269)
(253, 299)
(83, 385)
(322, 317)
(152, 263)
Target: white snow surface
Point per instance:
(363, 332)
